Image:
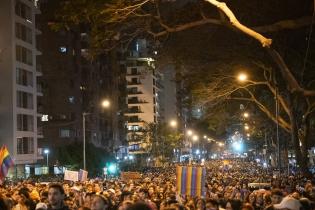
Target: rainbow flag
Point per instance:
(190, 180)
(5, 162)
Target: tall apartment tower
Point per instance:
(19, 88)
(75, 84)
(142, 100)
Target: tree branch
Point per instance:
(233, 20)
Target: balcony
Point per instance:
(133, 111)
(140, 130)
(133, 83)
(137, 151)
(134, 120)
(134, 92)
(39, 71)
(133, 74)
(135, 139)
(136, 101)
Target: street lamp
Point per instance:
(173, 123)
(205, 137)
(242, 77)
(189, 132)
(246, 127)
(46, 151)
(195, 138)
(105, 104)
(246, 115)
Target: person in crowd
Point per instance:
(100, 202)
(289, 203)
(228, 187)
(56, 196)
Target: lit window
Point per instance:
(44, 118)
(63, 49)
(71, 99)
(64, 133)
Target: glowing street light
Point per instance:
(205, 137)
(195, 138)
(173, 123)
(221, 144)
(248, 135)
(237, 146)
(189, 132)
(246, 127)
(106, 103)
(46, 151)
(242, 77)
(246, 115)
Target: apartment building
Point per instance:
(143, 90)
(75, 85)
(19, 86)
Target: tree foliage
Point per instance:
(116, 22)
(96, 158)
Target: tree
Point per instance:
(96, 157)
(125, 20)
(163, 140)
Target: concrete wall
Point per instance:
(7, 56)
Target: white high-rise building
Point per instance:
(143, 103)
(19, 88)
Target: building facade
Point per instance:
(19, 81)
(142, 97)
(75, 84)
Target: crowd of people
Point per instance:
(228, 186)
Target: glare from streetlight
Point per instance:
(221, 144)
(46, 151)
(173, 123)
(248, 135)
(105, 103)
(242, 77)
(246, 127)
(246, 115)
(195, 138)
(205, 137)
(189, 132)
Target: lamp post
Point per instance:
(195, 138)
(189, 133)
(173, 124)
(105, 104)
(277, 127)
(46, 151)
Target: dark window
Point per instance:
(25, 145)
(134, 71)
(24, 100)
(134, 80)
(23, 32)
(25, 122)
(24, 55)
(24, 77)
(23, 11)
